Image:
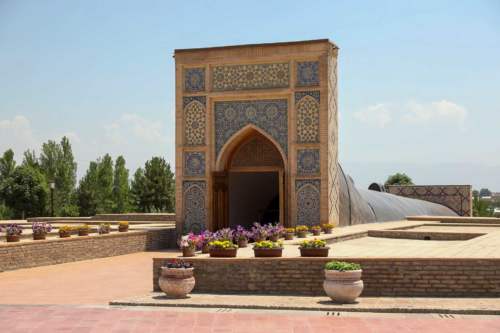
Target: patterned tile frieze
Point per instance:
(308, 73)
(307, 109)
(308, 162)
(269, 115)
(194, 163)
(256, 76)
(194, 120)
(308, 201)
(195, 208)
(194, 79)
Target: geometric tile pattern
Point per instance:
(195, 210)
(308, 73)
(194, 163)
(307, 162)
(194, 79)
(268, 115)
(194, 120)
(307, 107)
(333, 168)
(308, 201)
(257, 76)
(257, 151)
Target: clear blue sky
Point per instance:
(419, 84)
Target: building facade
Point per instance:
(256, 135)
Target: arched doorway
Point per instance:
(250, 186)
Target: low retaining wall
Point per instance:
(445, 277)
(60, 250)
(423, 235)
(144, 217)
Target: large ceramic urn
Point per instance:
(343, 286)
(176, 282)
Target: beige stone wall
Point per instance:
(456, 197)
(258, 73)
(27, 254)
(381, 277)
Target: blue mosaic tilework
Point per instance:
(308, 162)
(194, 79)
(307, 74)
(194, 163)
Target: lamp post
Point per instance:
(52, 187)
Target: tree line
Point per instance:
(105, 187)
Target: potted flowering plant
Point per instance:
(313, 248)
(241, 236)
(104, 228)
(40, 230)
(223, 248)
(205, 238)
(268, 249)
(13, 232)
(259, 232)
(289, 233)
(302, 231)
(316, 230)
(123, 226)
(83, 230)
(188, 245)
(327, 228)
(225, 234)
(343, 282)
(177, 279)
(274, 232)
(65, 231)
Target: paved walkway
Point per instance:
(67, 319)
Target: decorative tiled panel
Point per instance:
(308, 202)
(195, 209)
(333, 167)
(194, 79)
(307, 73)
(194, 163)
(257, 76)
(194, 120)
(308, 162)
(268, 115)
(258, 151)
(307, 108)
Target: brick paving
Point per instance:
(16, 319)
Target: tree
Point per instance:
(121, 188)
(7, 167)
(87, 191)
(30, 159)
(481, 207)
(399, 179)
(484, 192)
(26, 192)
(153, 188)
(105, 185)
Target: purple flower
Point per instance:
(241, 234)
(259, 231)
(13, 230)
(41, 227)
(224, 234)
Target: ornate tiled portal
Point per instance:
(257, 108)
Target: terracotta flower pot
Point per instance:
(274, 238)
(343, 287)
(122, 228)
(39, 236)
(188, 251)
(176, 282)
(302, 234)
(314, 252)
(64, 234)
(316, 232)
(243, 242)
(205, 248)
(13, 238)
(278, 252)
(289, 236)
(83, 232)
(223, 253)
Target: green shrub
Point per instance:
(342, 266)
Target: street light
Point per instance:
(52, 187)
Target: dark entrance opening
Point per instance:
(253, 197)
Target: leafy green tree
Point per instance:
(484, 192)
(30, 159)
(87, 191)
(26, 192)
(481, 207)
(105, 185)
(121, 187)
(7, 167)
(399, 179)
(154, 187)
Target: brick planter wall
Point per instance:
(60, 250)
(382, 277)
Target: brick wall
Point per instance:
(456, 197)
(60, 250)
(382, 277)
